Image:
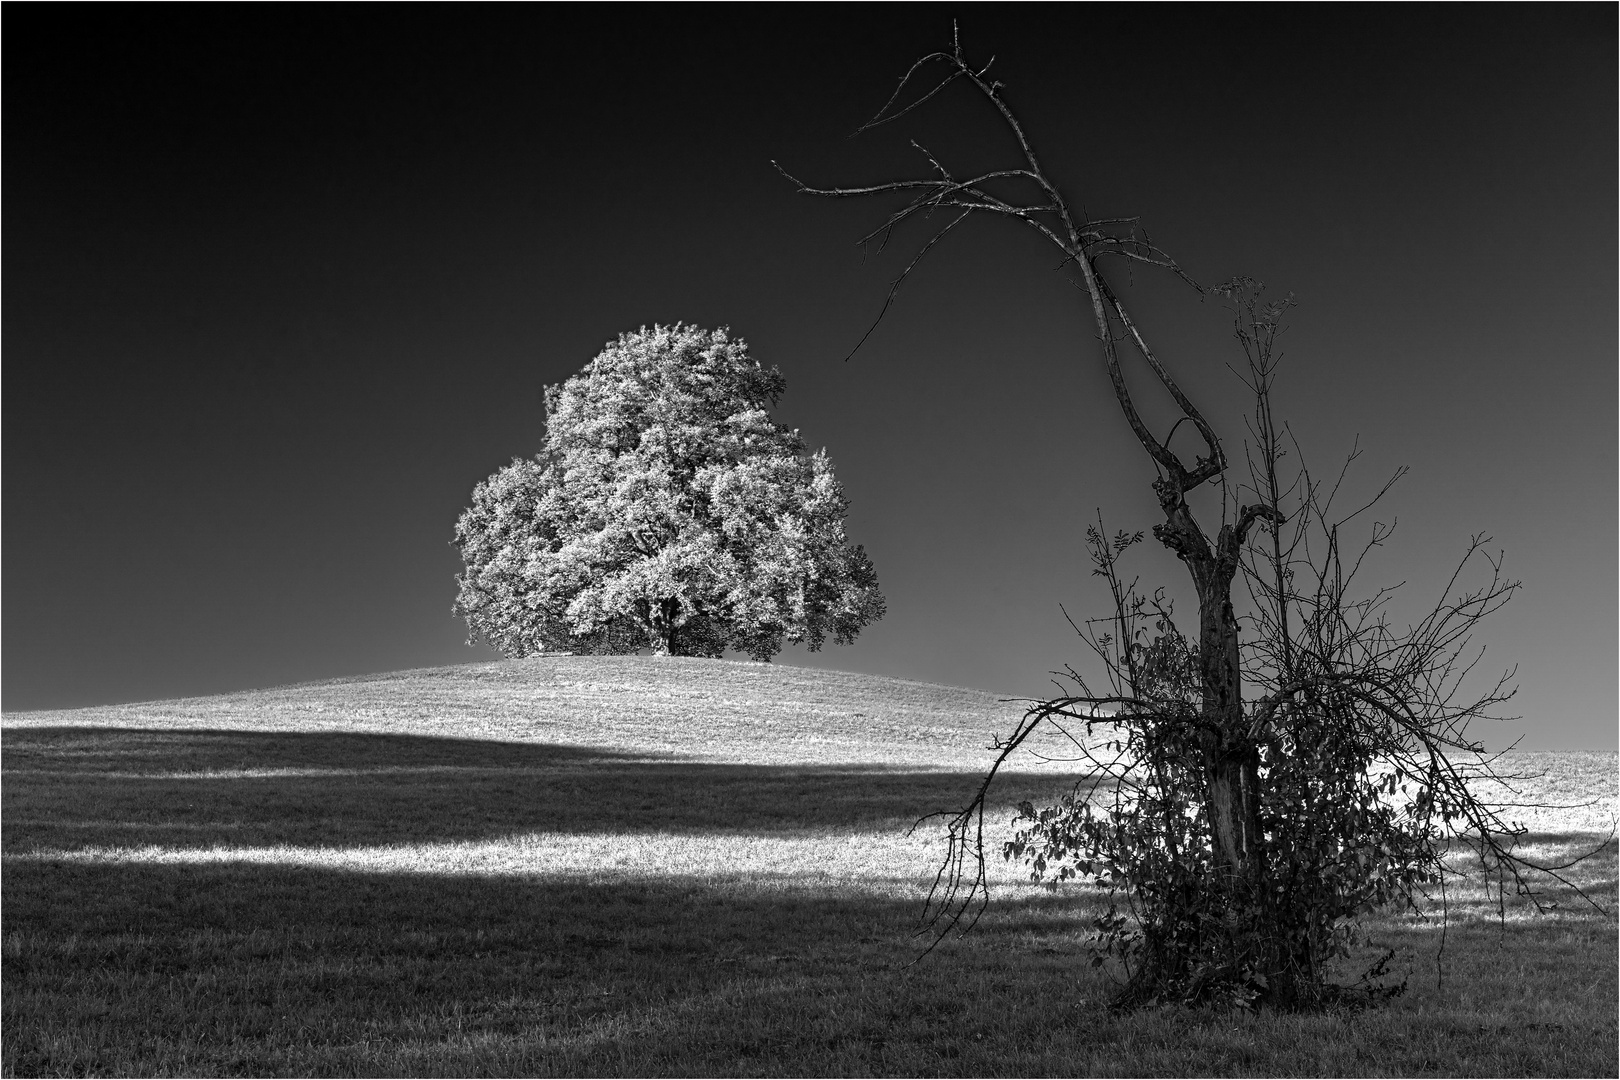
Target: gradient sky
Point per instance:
(283, 284)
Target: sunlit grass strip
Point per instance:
(889, 863)
(323, 772)
(865, 863)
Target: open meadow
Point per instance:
(634, 866)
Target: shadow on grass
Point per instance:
(69, 788)
(232, 967)
(113, 968)
(239, 969)
(267, 968)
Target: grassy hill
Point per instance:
(556, 765)
(712, 710)
(625, 865)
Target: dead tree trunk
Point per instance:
(1231, 760)
(1348, 711)
(1231, 756)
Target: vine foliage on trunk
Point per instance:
(1262, 783)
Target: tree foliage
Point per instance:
(1262, 783)
(667, 510)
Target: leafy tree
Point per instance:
(1263, 782)
(666, 510)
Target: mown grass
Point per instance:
(630, 866)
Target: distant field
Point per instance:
(628, 866)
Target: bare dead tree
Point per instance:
(1330, 676)
(1212, 562)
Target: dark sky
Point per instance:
(282, 284)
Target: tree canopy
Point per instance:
(666, 510)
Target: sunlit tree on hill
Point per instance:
(667, 510)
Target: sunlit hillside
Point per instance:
(611, 768)
(713, 710)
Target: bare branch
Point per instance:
(894, 286)
(880, 119)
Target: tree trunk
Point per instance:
(1231, 760)
(661, 616)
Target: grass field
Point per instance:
(639, 866)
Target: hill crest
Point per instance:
(717, 710)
